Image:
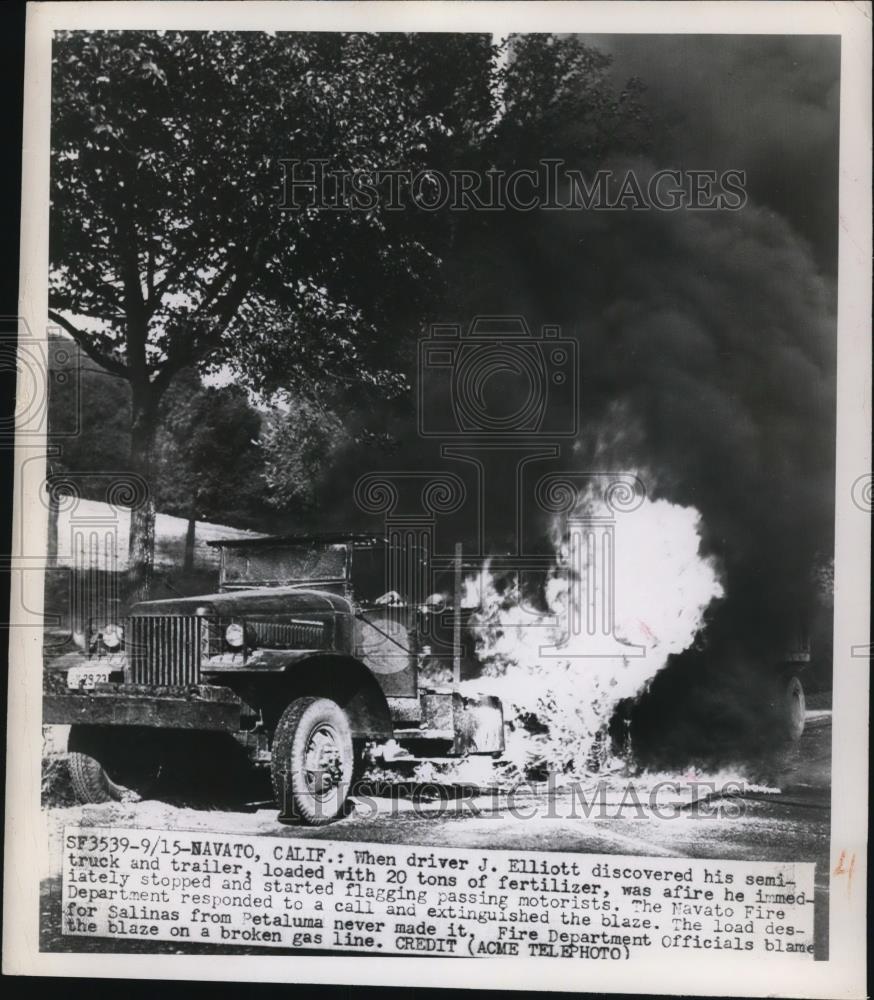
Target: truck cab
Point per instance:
(301, 654)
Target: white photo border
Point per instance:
(843, 974)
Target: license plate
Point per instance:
(85, 677)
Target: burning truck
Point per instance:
(304, 661)
(299, 657)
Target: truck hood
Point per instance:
(260, 601)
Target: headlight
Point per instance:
(112, 636)
(234, 635)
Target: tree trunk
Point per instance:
(188, 561)
(141, 541)
(52, 552)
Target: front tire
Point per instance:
(313, 761)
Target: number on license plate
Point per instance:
(86, 677)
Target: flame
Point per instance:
(558, 706)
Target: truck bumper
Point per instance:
(203, 706)
(465, 725)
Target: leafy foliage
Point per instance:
(559, 102)
(166, 186)
(300, 437)
(97, 405)
(208, 464)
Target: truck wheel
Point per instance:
(110, 766)
(360, 760)
(793, 709)
(312, 761)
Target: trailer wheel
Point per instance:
(793, 709)
(107, 765)
(313, 761)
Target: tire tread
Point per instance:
(281, 771)
(91, 784)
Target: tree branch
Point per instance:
(233, 298)
(218, 284)
(150, 274)
(84, 341)
(170, 275)
(199, 347)
(189, 354)
(128, 254)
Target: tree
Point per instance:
(208, 464)
(559, 101)
(168, 248)
(301, 435)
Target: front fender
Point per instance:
(340, 677)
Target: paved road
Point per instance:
(791, 824)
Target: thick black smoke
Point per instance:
(710, 360)
(767, 104)
(707, 346)
(708, 350)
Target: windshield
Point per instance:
(283, 565)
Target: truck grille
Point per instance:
(164, 649)
(288, 635)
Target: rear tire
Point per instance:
(111, 765)
(313, 761)
(91, 784)
(793, 709)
